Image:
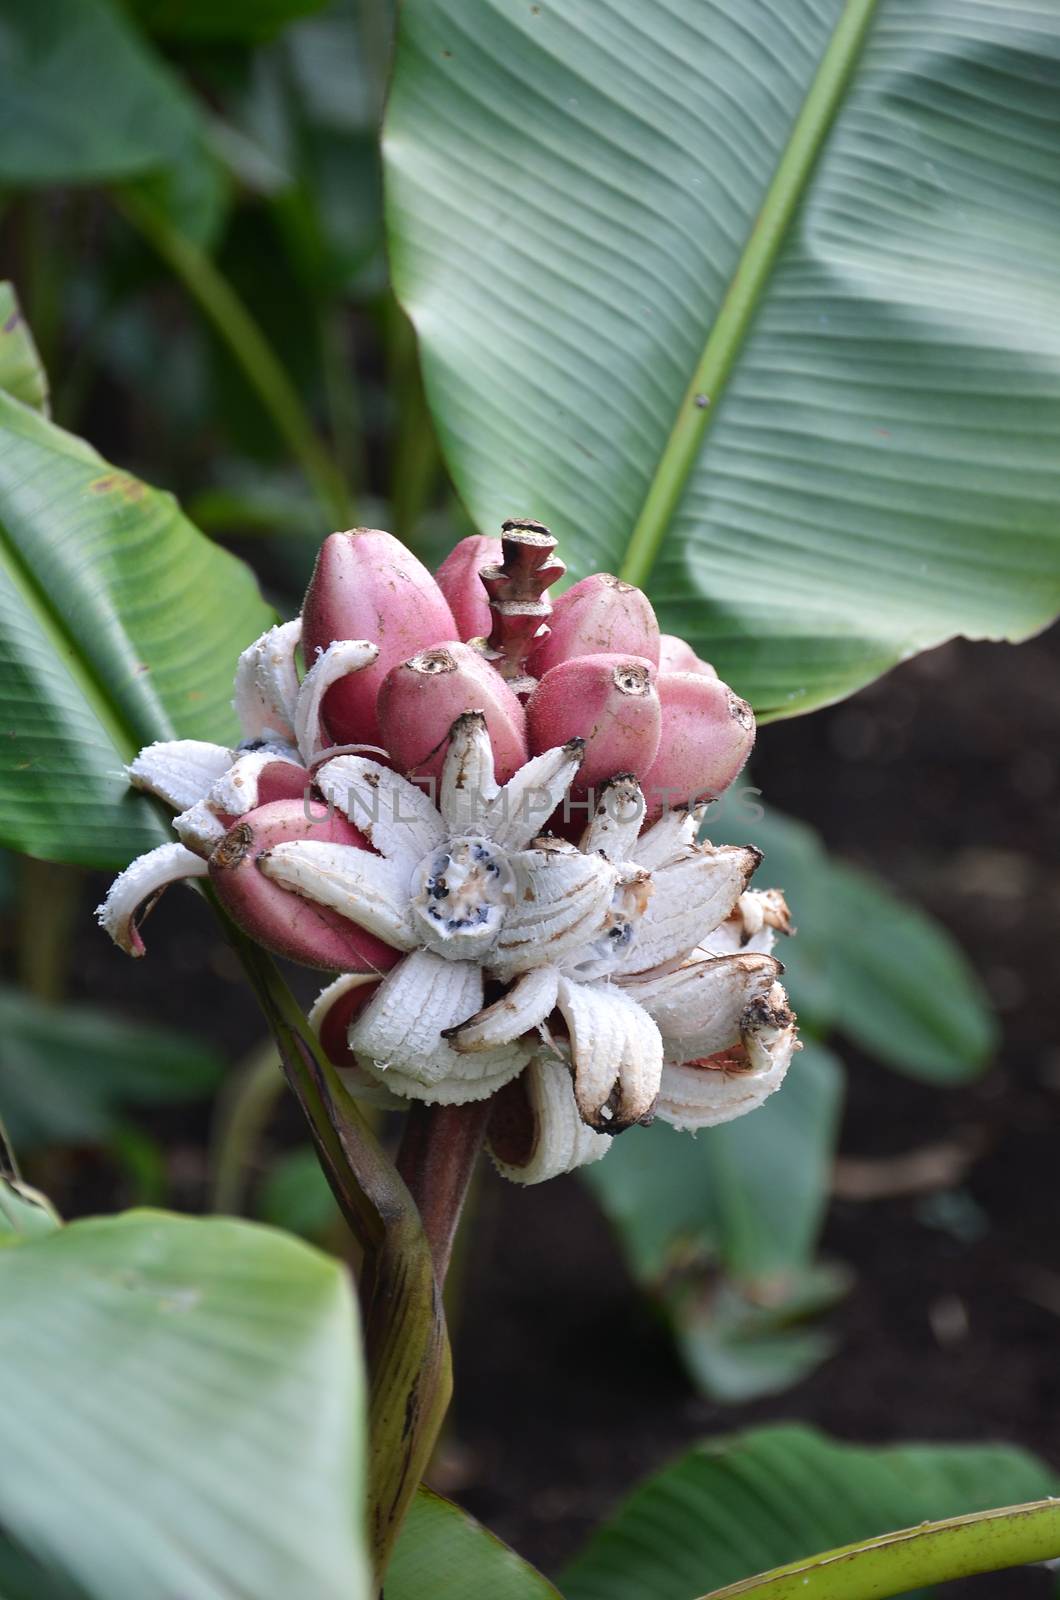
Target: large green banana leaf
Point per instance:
(444, 1554)
(183, 1410)
(119, 624)
(754, 301)
(734, 1506)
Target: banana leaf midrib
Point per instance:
(727, 333)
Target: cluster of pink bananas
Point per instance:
(482, 812)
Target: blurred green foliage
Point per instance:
(69, 1072)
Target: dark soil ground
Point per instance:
(945, 779)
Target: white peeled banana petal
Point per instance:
(341, 657)
(613, 1043)
(693, 1097)
(179, 771)
(527, 1002)
(770, 905)
(690, 897)
(728, 939)
(560, 901)
(758, 916)
(399, 1034)
(561, 1140)
(134, 892)
(703, 1097)
(698, 1007)
(769, 1031)
(401, 1026)
(503, 1067)
(266, 686)
(529, 798)
(368, 889)
(361, 1084)
(672, 836)
(396, 817)
(236, 791)
(200, 828)
(614, 828)
(468, 786)
(335, 991)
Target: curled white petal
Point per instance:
(541, 1134)
(199, 828)
(526, 1004)
(728, 939)
(335, 991)
(360, 1083)
(134, 892)
(234, 793)
(266, 686)
(693, 1095)
(691, 895)
(503, 1066)
(769, 1033)
(395, 816)
(468, 786)
(674, 834)
(699, 1006)
(340, 658)
(369, 890)
(400, 1035)
(521, 809)
(616, 1053)
(402, 1025)
(179, 771)
(759, 915)
(236, 790)
(560, 901)
(616, 822)
(614, 937)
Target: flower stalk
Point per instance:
(405, 1340)
(439, 1149)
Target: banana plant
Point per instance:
(751, 309)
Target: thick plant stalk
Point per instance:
(405, 1339)
(437, 1159)
(895, 1563)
